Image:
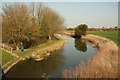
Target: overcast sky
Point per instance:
(94, 14)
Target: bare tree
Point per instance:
(15, 21)
(33, 24)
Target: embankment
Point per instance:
(47, 51)
(104, 64)
(39, 53)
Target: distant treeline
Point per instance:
(97, 29)
(33, 24)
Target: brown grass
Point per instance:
(104, 64)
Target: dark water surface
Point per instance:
(70, 55)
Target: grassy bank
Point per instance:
(112, 35)
(28, 52)
(9, 64)
(104, 64)
(36, 47)
(6, 57)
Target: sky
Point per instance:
(94, 14)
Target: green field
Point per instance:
(112, 35)
(70, 31)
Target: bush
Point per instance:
(81, 30)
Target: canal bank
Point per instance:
(70, 55)
(39, 53)
(104, 64)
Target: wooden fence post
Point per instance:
(6, 48)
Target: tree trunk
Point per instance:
(17, 48)
(49, 37)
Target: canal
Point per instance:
(70, 55)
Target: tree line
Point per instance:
(98, 29)
(32, 24)
(104, 29)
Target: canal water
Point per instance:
(70, 55)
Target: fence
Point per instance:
(6, 48)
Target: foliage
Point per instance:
(104, 29)
(35, 48)
(81, 30)
(33, 25)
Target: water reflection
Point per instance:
(80, 45)
(68, 56)
(33, 69)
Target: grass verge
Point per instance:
(10, 63)
(6, 57)
(52, 42)
(55, 39)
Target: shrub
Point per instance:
(81, 30)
